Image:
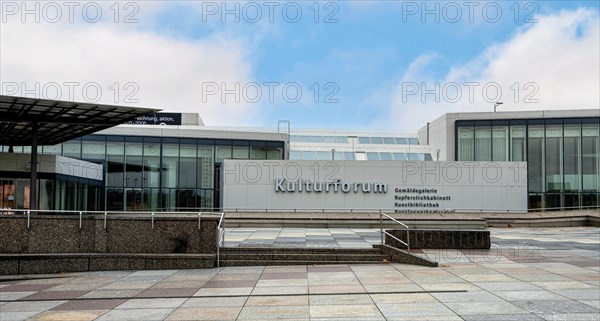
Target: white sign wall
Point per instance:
(403, 186)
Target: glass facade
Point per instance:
(337, 155)
(54, 192)
(361, 140)
(152, 173)
(562, 155)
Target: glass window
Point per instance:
(483, 143)
(329, 139)
(553, 161)
(321, 155)
(360, 156)
(51, 150)
(364, 140)
(169, 165)
(376, 140)
(401, 141)
(151, 169)
(258, 152)
(428, 157)
(240, 152)
(399, 156)
(373, 156)
(413, 141)
(386, 156)
(295, 155)
(535, 152)
(415, 156)
(115, 162)
(205, 166)
(308, 155)
(466, 145)
(114, 199)
(316, 139)
(572, 168)
(304, 139)
(71, 149)
(293, 138)
(500, 144)
(223, 152)
(341, 139)
(133, 164)
(389, 140)
(338, 156)
(93, 150)
(590, 150)
(275, 153)
(349, 156)
(517, 143)
(45, 194)
(187, 166)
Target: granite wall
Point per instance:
(441, 239)
(62, 234)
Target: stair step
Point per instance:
(290, 250)
(291, 262)
(305, 257)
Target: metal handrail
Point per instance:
(382, 231)
(220, 238)
(195, 210)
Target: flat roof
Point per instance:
(57, 121)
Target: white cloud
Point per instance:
(556, 63)
(169, 72)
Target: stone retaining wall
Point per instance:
(61, 234)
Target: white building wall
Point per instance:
(16, 162)
(458, 186)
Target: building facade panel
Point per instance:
(404, 186)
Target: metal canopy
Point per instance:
(33, 122)
(57, 121)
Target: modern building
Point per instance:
(336, 144)
(173, 161)
(561, 148)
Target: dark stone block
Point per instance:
(439, 239)
(117, 263)
(9, 267)
(180, 263)
(51, 265)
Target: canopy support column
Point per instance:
(34, 162)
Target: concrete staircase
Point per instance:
(252, 256)
(259, 256)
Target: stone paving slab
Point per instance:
(525, 276)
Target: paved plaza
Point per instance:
(529, 274)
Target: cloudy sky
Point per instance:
(345, 64)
